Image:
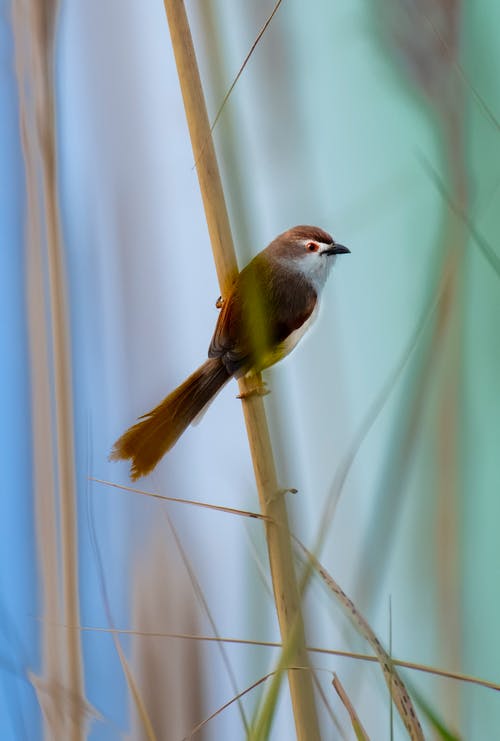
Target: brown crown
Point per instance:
(308, 232)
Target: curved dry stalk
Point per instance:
(397, 689)
(165, 498)
(272, 503)
(228, 704)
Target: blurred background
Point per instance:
(377, 122)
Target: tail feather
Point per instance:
(146, 442)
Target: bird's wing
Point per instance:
(223, 338)
(227, 341)
(260, 313)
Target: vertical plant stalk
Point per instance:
(54, 485)
(164, 668)
(448, 413)
(426, 36)
(272, 502)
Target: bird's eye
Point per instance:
(312, 246)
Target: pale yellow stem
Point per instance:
(272, 503)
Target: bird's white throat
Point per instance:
(314, 266)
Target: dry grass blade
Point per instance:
(244, 64)
(164, 498)
(357, 726)
(446, 674)
(254, 685)
(238, 75)
(436, 671)
(136, 695)
(327, 705)
(227, 705)
(398, 691)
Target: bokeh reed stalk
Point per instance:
(272, 502)
(425, 36)
(435, 71)
(60, 685)
(167, 672)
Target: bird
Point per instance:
(271, 304)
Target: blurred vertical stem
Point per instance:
(426, 37)
(52, 404)
(272, 502)
(448, 340)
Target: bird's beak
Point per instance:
(336, 249)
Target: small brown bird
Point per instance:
(272, 303)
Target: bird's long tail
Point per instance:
(157, 431)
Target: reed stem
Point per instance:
(272, 502)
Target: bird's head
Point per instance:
(308, 250)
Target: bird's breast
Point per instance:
(283, 348)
